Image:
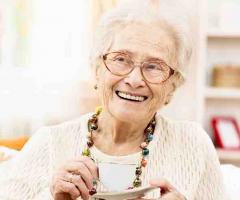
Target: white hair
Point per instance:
(169, 12)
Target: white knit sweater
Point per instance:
(181, 152)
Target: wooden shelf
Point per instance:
(222, 93)
(230, 157)
(223, 34)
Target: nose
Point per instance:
(135, 78)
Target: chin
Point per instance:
(127, 114)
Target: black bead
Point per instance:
(138, 171)
(90, 143)
(92, 191)
(149, 130)
(94, 127)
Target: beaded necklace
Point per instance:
(149, 131)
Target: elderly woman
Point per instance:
(138, 61)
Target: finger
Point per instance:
(77, 181)
(80, 184)
(81, 169)
(142, 199)
(163, 184)
(66, 187)
(173, 195)
(90, 164)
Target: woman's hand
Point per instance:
(168, 192)
(74, 179)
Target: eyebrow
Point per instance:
(125, 51)
(147, 58)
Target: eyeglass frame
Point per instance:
(104, 56)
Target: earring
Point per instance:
(167, 102)
(95, 87)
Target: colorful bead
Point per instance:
(150, 137)
(90, 143)
(86, 152)
(138, 171)
(143, 145)
(94, 127)
(94, 119)
(98, 110)
(92, 191)
(149, 130)
(137, 182)
(145, 152)
(144, 163)
(94, 182)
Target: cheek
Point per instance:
(106, 84)
(159, 97)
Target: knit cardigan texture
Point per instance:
(180, 152)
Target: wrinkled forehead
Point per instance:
(145, 40)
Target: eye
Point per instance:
(120, 58)
(154, 67)
(151, 66)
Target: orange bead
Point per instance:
(144, 162)
(143, 145)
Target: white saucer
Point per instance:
(126, 194)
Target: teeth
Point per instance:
(131, 97)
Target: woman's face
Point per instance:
(130, 97)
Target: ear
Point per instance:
(97, 72)
(171, 90)
(97, 69)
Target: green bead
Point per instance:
(150, 137)
(137, 182)
(145, 151)
(86, 152)
(94, 182)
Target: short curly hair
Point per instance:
(143, 12)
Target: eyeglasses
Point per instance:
(121, 64)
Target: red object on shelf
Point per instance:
(226, 132)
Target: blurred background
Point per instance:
(45, 77)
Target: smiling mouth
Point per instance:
(130, 97)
